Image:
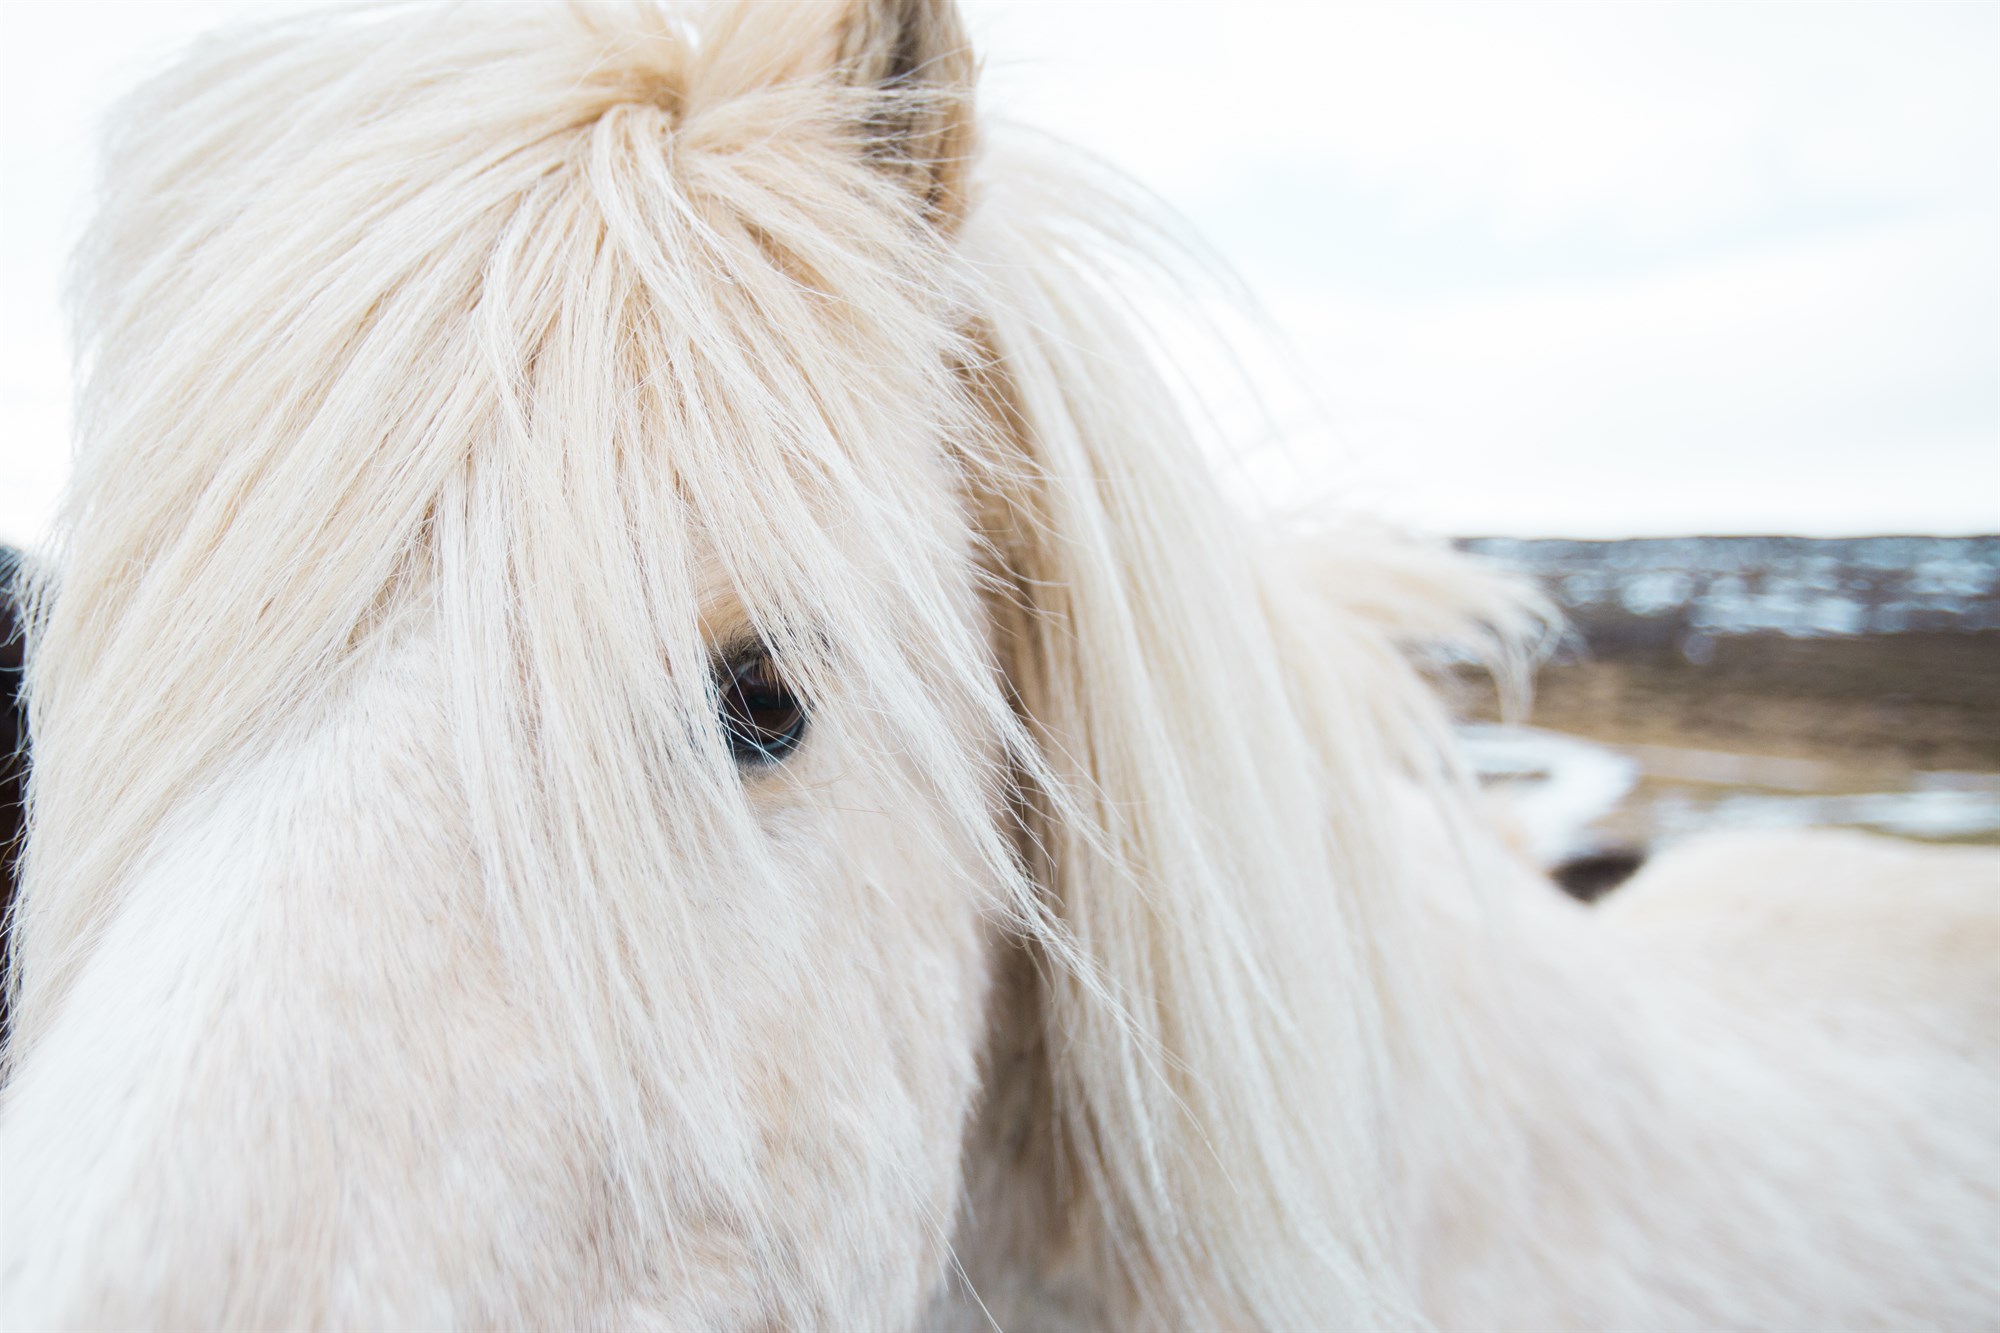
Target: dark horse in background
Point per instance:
(13, 741)
(13, 724)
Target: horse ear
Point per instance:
(910, 59)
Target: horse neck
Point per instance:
(1394, 981)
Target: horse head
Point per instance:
(652, 719)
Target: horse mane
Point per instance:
(482, 315)
(1246, 756)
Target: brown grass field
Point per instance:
(1898, 702)
(1897, 733)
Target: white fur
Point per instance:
(398, 946)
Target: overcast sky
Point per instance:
(1552, 269)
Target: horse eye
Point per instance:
(763, 719)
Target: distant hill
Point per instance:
(1872, 646)
(1681, 590)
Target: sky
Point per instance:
(1540, 269)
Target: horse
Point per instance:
(646, 715)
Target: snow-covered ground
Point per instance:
(1565, 796)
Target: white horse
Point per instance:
(645, 718)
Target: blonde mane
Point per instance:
(588, 315)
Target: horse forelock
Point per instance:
(333, 324)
